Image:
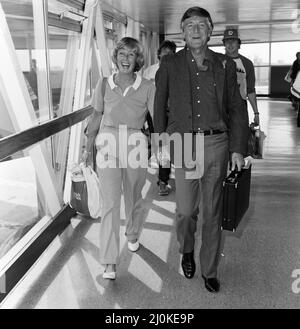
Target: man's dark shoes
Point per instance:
(211, 284)
(188, 264)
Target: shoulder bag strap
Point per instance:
(103, 88)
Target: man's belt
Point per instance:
(209, 132)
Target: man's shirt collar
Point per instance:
(208, 54)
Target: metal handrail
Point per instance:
(19, 141)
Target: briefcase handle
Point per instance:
(235, 174)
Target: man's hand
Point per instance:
(237, 160)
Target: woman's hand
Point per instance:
(163, 156)
(87, 158)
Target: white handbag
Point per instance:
(93, 191)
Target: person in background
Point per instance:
(127, 99)
(295, 67)
(244, 69)
(294, 95)
(166, 47)
(33, 97)
(32, 79)
(199, 87)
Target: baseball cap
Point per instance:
(231, 34)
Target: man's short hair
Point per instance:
(166, 44)
(197, 11)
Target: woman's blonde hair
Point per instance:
(131, 43)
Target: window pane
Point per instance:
(63, 50)
(62, 53)
(284, 53)
(258, 53)
(19, 17)
(22, 202)
(24, 61)
(25, 192)
(57, 61)
(262, 80)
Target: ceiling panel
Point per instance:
(258, 20)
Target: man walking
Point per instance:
(244, 69)
(166, 47)
(200, 89)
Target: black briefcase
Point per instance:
(236, 194)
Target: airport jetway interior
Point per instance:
(53, 52)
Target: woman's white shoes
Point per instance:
(133, 246)
(109, 275)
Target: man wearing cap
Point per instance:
(201, 90)
(244, 69)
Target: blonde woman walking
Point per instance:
(127, 99)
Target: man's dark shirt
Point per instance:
(205, 110)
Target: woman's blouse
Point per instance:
(128, 108)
